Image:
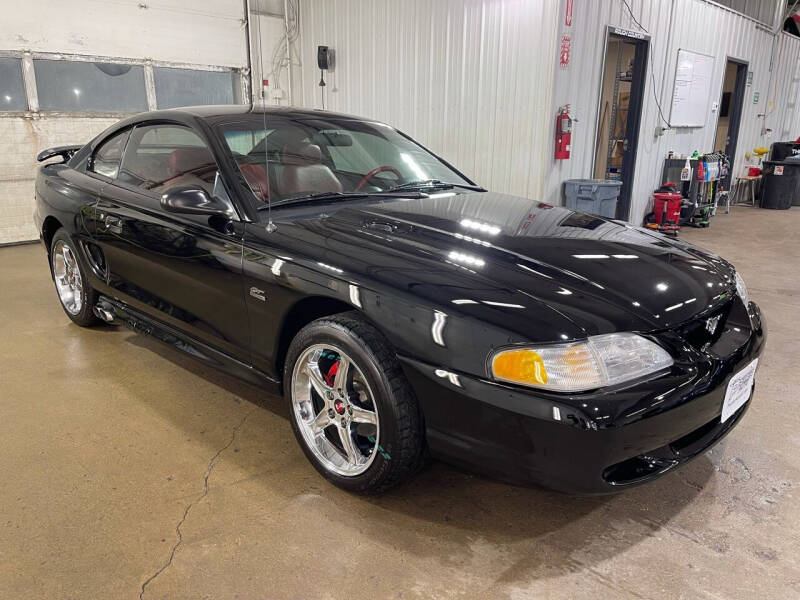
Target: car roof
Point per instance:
(221, 111)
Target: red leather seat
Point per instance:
(257, 179)
(183, 160)
(303, 171)
(190, 166)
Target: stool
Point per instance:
(743, 182)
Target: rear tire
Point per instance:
(360, 426)
(76, 296)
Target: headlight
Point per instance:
(599, 361)
(741, 288)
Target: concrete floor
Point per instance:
(125, 463)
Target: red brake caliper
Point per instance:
(331, 374)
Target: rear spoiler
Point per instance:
(65, 152)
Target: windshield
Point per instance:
(300, 157)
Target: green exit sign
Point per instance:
(755, 98)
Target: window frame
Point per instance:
(53, 78)
(230, 74)
(89, 164)
(240, 96)
(18, 56)
(235, 211)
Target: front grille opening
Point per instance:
(693, 437)
(662, 459)
(638, 468)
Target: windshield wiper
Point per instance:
(341, 196)
(435, 184)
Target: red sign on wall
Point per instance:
(568, 14)
(566, 48)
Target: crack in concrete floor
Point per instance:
(211, 464)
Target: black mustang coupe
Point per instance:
(401, 309)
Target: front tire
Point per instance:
(76, 296)
(352, 410)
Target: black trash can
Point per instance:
(781, 184)
(782, 150)
(795, 160)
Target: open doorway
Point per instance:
(730, 110)
(621, 96)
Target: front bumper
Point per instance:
(585, 443)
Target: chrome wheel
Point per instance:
(335, 410)
(67, 276)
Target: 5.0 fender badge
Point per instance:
(258, 294)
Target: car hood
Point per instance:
(515, 262)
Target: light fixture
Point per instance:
(591, 256)
(463, 301)
(596, 362)
(741, 289)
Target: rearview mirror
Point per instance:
(332, 138)
(191, 200)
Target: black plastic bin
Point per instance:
(781, 187)
(795, 160)
(782, 150)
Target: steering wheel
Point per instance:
(374, 172)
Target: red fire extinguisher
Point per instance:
(563, 133)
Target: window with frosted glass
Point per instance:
(189, 87)
(89, 86)
(12, 90)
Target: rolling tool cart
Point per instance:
(703, 190)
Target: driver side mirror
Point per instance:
(192, 200)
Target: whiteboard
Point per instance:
(692, 90)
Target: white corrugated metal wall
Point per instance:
(785, 120)
(478, 80)
(697, 26)
(470, 79)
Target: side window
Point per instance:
(106, 159)
(160, 157)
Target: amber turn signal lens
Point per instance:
(523, 366)
(598, 361)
